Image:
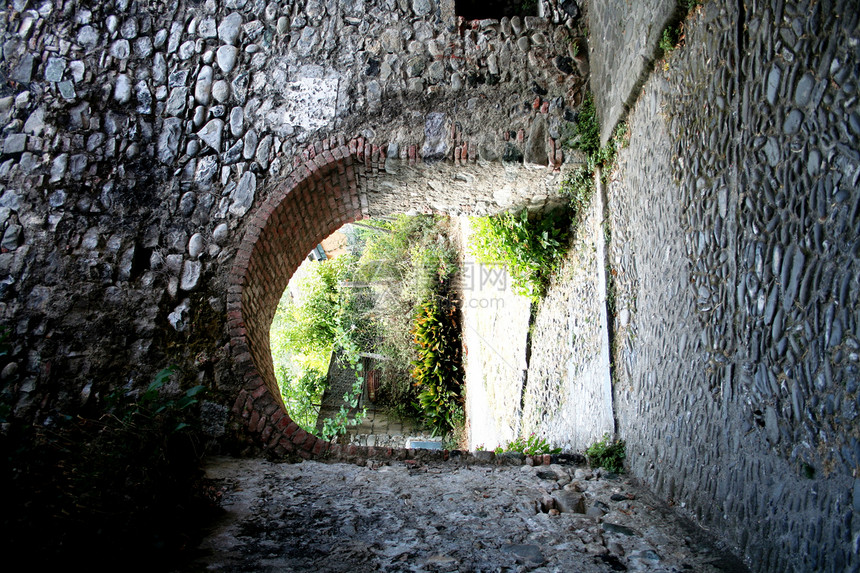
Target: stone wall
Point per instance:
(167, 164)
(735, 224)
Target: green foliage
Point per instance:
(531, 446)
(406, 266)
(310, 323)
(607, 453)
(415, 252)
(437, 369)
(153, 406)
(350, 351)
(586, 128)
(304, 333)
(530, 247)
(527, 8)
(579, 188)
(363, 302)
(585, 136)
(302, 393)
(670, 38)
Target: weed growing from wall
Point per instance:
(530, 246)
(530, 446)
(607, 453)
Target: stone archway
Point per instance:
(336, 182)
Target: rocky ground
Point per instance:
(406, 516)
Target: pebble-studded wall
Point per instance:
(166, 164)
(736, 382)
(148, 144)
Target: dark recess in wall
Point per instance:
(495, 9)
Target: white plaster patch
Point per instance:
(311, 103)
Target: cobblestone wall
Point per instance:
(153, 151)
(736, 387)
(166, 163)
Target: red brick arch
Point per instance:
(325, 190)
(320, 195)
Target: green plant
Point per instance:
(153, 406)
(574, 43)
(528, 8)
(607, 453)
(457, 438)
(530, 247)
(586, 129)
(670, 38)
(437, 370)
(531, 446)
(345, 416)
(578, 187)
(410, 262)
(302, 393)
(304, 333)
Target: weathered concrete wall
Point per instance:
(622, 45)
(735, 225)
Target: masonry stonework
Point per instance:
(174, 161)
(167, 164)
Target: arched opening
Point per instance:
(329, 186)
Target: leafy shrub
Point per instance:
(302, 393)
(579, 188)
(585, 136)
(350, 353)
(408, 264)
(585, 132)
(607, 453)
(438, 369)
(304, 334)
(670, 39)
(531, 446)
(530, 247)
(362, 302)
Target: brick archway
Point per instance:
(332, 183)
(320, 195)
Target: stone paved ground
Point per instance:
(315, 517)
